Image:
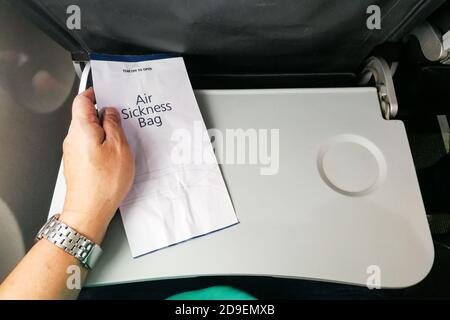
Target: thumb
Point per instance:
(83, 109)
(84, 117)
(112, 125)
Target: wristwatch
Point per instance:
(72, 242)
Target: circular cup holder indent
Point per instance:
(351, 165)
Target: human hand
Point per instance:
(98, 167)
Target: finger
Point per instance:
(83, 108)
(112, 125)
(85, 119)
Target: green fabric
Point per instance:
(213, 293)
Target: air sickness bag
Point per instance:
(176, 194)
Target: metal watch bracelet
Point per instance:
(72, 242)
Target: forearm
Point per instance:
(99, 171)
(46, 272)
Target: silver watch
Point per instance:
(66, 238)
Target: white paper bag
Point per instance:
(177, 194)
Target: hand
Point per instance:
(98, 167)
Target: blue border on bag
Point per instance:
(130, 58)
(188, 239)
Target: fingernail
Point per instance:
(110, 110)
